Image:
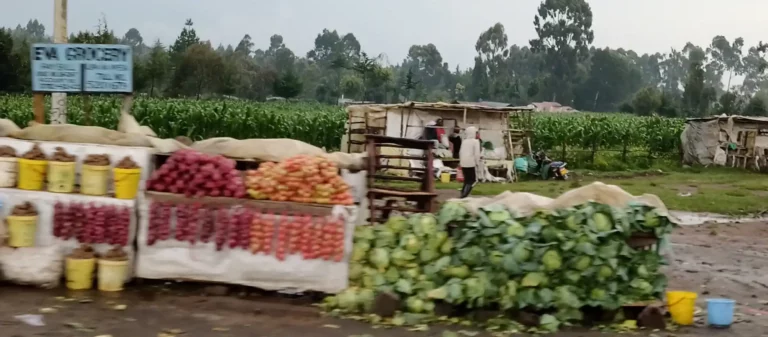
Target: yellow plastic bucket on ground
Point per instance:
(9, 167)
(32, 174)
(445, 177)
(126, 182)
(61, 176)
(682, 305)
(22, 230)
(79, 273)
(93, 180)
(112, 275)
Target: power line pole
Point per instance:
(59, 100)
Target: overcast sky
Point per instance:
(392, 26)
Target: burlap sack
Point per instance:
(273, 150)
(528, 203)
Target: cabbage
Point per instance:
(401, 258)
(521, 252)
(410, 243)
(428, 255)
(385, 238)
(515, 229)
(570, 222)
(602, 222)
(359, 250)
(497, 217)
(397, 223)
(642, 271)
(496, 258)
(414, 304)
(355, 271)
(379, 257)
(392, 275)
(364, 233)
(348, 300)
(652, 219)
(404, 286)
(411, 273)
(460, 271)
(533, 280)
(447, 246)
(582, 263)
(551, 260)
(437, 240)
(428, 224)
(604, 272)
(365, 299)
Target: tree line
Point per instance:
(560, 64)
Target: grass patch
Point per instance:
(716, 190)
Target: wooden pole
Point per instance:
(59, 100)
(38, 106)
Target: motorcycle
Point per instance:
(555, 169)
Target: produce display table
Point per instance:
(45, 240)
(202, 261)
(141, 155)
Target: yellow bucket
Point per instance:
(31, 174)
(445, 177)
(93, 180)
(112, 275)
(61, 177)
(21, 230)
(126, 182)
(79, 273)
(682, 305)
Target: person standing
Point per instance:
(455, 139)
(469, 159)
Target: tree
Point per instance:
(697, 97)
(288, 85)
(199, 71)
(727, 56)
(187, 38)
(102, 35)
(9, 79)
(756, 107)
(133, 38)
(755, 65)
(245, 46)
(156, 66)
(564, 29)
(612, 79)
(351, 86)
(646, 101)
(729, 103)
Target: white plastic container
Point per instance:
(9, 168)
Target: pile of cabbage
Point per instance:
(554, 263)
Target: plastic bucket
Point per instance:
(8, 170)
(112, 274)
(21, 230)
(93, 180)
(32, 174)
(445, 177)
(79, 273)
(720, 312)
(61, 176)
(682, 305)
(126, 182)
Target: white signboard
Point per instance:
(105, 68)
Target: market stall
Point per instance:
(51, 207)
(194, 214)
(199, 221)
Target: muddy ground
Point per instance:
(726, 260)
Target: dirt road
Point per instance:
(716, 261)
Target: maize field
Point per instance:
(323, 125)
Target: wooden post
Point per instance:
(38, 106)
(59, 100)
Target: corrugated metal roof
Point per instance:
(439, 106)
(736, 118)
